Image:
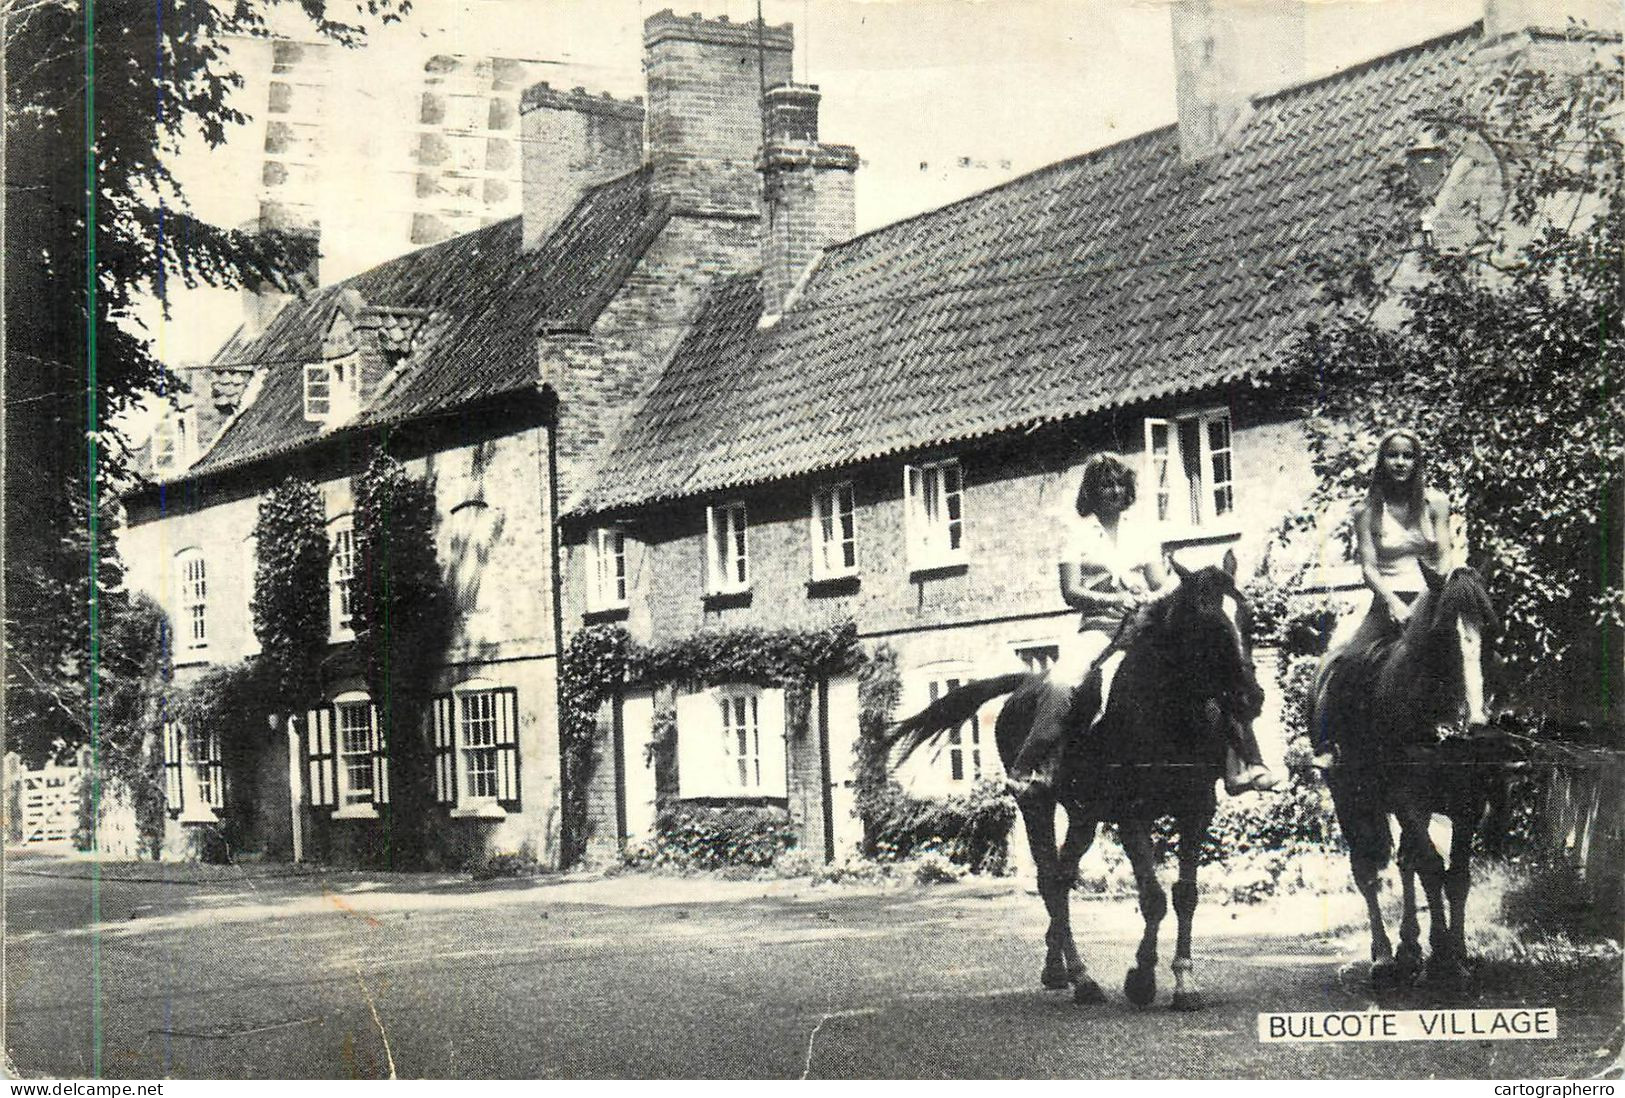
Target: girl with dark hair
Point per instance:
(1109, 569)
(1401, 524)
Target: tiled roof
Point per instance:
(469, 308)
(1114, 278)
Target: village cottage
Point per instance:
(890, 434)
(674, 396)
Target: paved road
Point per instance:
(364, 976)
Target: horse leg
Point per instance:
(1080, 835)
(1410, 929)
(1038, 816)
(1419, 855)
(1187, 996)
(1368, 880)
(1458, 881)
(1140, 985)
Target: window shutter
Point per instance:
(445, 749)
(770, 720)
(699, 747)
(1159, 439)
(507, 712)
(913, 516)
(713, 559)
(173, 793)
(380, 759)
(323, 760)
(217, 773)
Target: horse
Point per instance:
(1386, 705)
(1157, 751)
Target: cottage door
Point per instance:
(841, 725)
(637, 765)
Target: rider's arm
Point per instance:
(1438, 504)
(1368, 566)
(1079, 589)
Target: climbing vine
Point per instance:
(290, 590)
(402, 616)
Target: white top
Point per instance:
(1109, 565)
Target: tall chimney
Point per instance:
(807, 192)
(1226, 51)
(705, 80)
(572, 142)
(262, 298)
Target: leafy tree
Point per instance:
(402, 616)
(89, 238)
(1504, 354)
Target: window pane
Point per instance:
(355, 750)
(1190, 456)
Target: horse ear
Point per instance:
(1431, 576)
(1180, 570)
(1229, 563)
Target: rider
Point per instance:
(1109, 569)
(1401, 524)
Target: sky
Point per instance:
(942, 98)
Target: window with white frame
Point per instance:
(357, 726)
(727, 558)
(341, 577)
(476, 737)
(1038, 658)
(834, 532)
(170, 443)
(318, 391)
(730, 743)
(960, 754)
(1190, 468)
(606, 569)
(934, 496)
(194, 598)
(194, 780)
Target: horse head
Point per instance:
(1452, 634)
(1209, 623)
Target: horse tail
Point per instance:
(949, 711)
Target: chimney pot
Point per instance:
(807, 188)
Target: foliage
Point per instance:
(970, 829)
(81, 262)
(710, 837)
(1505, 356)
(593, 668)
(290, 603)
(128, 756)
(402, 617)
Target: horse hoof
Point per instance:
(1086, 992)
(1385, 974)
(1054, 977)
(1140, 986)
(1186, 1000)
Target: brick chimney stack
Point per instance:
(807, 192)
(572, 142)
(263, 299)
(1225, 52)
(705, 79)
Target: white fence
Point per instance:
(42, 806)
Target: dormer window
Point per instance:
(169, 444)
(318, 392)
(332, 390)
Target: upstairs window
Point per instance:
(727, 560)
(1190, 468)
(170, 452)
(332, 389)
(318, 392)
(834, 533)
(934, 497)
(1036, 659)
(606, 569)
(194, 615)
(341, 578)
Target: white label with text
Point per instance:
(1504, 1024)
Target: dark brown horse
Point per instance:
(1156, 752)
(1385, 707)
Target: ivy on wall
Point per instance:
(402, 616)
(290, 604)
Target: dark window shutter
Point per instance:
(323, 759)
(507, 713)
(174, 797)
(217, 773)
(380, 759)
(445, 749)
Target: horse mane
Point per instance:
(1465, 595)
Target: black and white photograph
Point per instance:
(814, 539)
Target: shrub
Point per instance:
(971, 829)
(707, 837)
